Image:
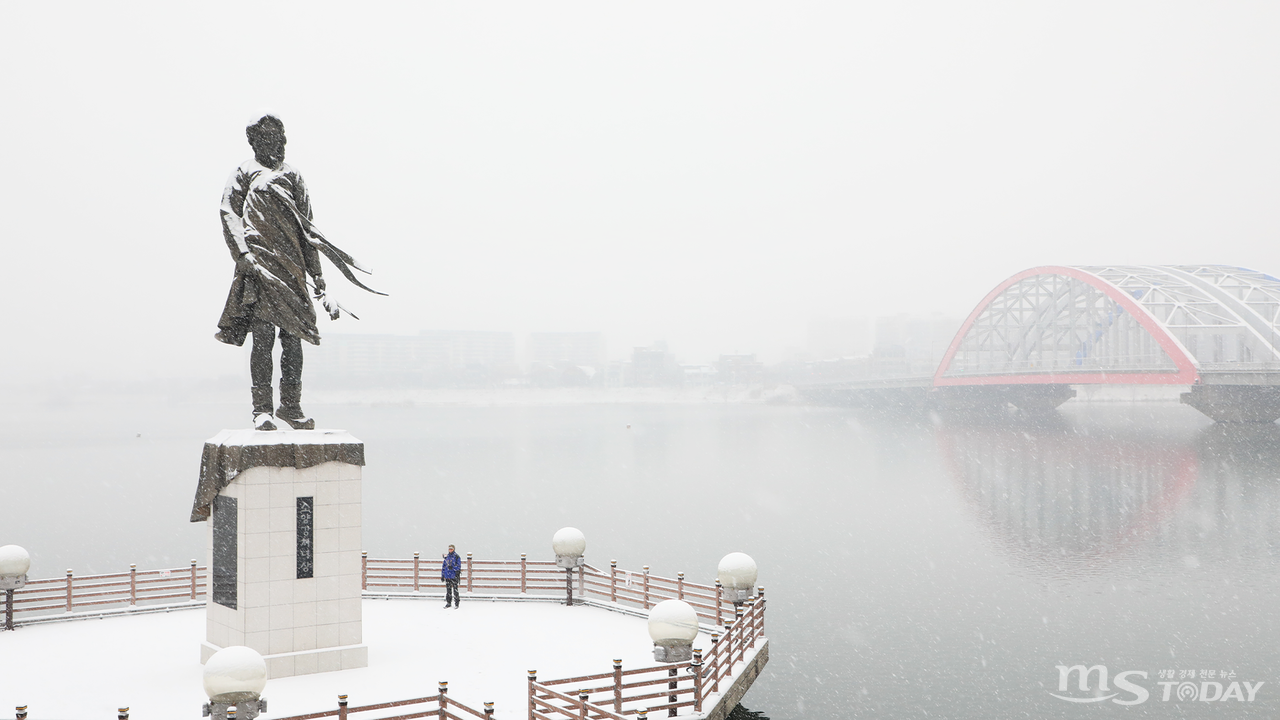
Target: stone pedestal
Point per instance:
(284, 513)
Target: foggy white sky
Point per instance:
(710, 174)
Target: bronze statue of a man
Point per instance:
(266, 222)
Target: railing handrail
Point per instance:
(120, 588)
(645, 589)
(705, 673)
(442, 703)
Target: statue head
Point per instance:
(266, 137)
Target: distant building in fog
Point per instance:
(739, 370)
(556, 349)
(431, 357)
(904, 346)
(698, 374)
(365, 359)
(456, 349)
(839, 337)
(653, 365)
(921, 339)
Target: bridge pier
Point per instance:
(980, 398)
(1039, 398)
(1235, 403)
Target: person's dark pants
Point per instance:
(451, 596)
(260, 367)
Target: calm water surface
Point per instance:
(915, 569)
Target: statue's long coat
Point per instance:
(267, 212)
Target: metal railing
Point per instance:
(495, 577)
(735, 629)
(628, 692)
(130, 589)
(541, 578)
(439, 706)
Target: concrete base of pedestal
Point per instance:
(305, 662)
(285, 576)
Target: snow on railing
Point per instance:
(439, 705)
(680, 685)
(542, 578)
(132, 588)
(528, 577)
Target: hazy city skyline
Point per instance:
(714, 176)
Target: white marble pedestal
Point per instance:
(284, 511)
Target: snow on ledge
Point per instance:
(249, 436)
(151, 662)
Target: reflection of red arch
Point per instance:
(1181, 463)
(1186, 374)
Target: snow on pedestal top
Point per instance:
(231, 452)
(249, 436)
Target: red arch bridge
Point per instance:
(1045, 331)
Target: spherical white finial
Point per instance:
(737, 571)
(235, 673)
(569, 542)
(673, 622)
(14, 561)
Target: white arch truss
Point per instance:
(1120, 324)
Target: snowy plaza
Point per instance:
(484, 650)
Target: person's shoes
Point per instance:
(263, 421)
(290, 409)
(295, 420)
(447, 606)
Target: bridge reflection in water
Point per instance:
(1064, 501)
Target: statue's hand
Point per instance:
(319, 287)
(331, 308)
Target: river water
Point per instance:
(915, 568)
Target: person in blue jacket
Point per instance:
(450, 570)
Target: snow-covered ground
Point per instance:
(151, 663)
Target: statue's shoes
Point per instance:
(297, 423)
(263, 421)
